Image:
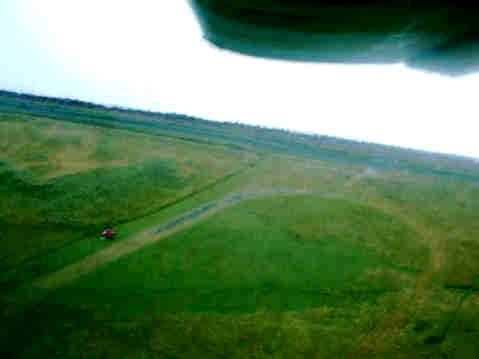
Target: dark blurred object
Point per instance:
(108, 234)
(439, 36)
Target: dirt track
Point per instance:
(119, 249)
(372, 344)
(369, 345)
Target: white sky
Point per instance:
(151, 55)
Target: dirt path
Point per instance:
(119, 249)
(378, 340)
(370, 345)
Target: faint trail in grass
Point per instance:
(167, 205)
(120, 249)
(377, 339)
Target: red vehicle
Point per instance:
(108, 234)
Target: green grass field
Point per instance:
(347, 250)
(254, 256)
(63, 182)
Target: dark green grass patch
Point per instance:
(258, 255)
(112, 194)
(36, 217)
(252, 280)
(67, 332)
(93, 197)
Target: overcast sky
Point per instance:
(151, 55)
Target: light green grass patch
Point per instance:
(256, 256)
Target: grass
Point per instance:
(254, 258)
(381, 262)
(259, 256)
(240, 137)
(447, 209)
(253, 280)
(62, 182)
